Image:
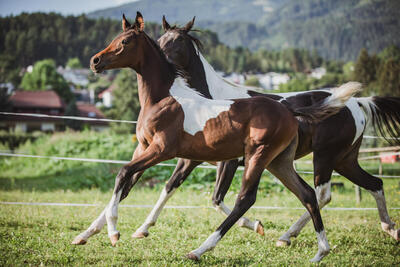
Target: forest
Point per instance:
(33, 39)
(27, 38)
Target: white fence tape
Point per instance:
(110, 120)
(64, 117)
(203, 166)
(176, 207)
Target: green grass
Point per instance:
(38, 235)
(41, 235)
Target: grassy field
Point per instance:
(41, 235)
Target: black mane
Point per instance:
(173, 67)
(192, 38)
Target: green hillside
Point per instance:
(337, 29)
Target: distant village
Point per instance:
(89, 104)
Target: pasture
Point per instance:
(41, 235)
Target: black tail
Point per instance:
(384, 114)
(329, 106)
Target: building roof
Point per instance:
(36, 99)
(111, 88)
(90, 111)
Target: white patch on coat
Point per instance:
(112, 214)
(155, 212)
(197, 109)
(295, 229)
(95, 227)
(220, 88)
(323, 246)
(386, 223)
(323, 193)
(209, 244)
(337, 97)
(358, 116)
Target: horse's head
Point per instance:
(177, 44)
(125, 50)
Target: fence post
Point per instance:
(358, 194)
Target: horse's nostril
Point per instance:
(96, 60)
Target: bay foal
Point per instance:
(335, 141)
(176, 121)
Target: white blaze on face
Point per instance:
(197, 109)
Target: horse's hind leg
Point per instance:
(353, 171)
(282, 168)
(323, 168)
(181, 172)
(258, 158)
(225, 173)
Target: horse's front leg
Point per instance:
(181, 172)
(99, 223)
(153, 155)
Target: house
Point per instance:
(75, 76)
(90, 111)
(107, 95)
(272, 80)
(48, 103)
(318, 73)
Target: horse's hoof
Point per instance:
(192, 256)
(283, 243)
(260, 228)
(139, 235)
(114, 239)
(320, 256)
(78, 241)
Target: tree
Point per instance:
(126, 104)
(44, 76)
(365, 68)
(5, 104)
(389, 78)
(74, 63)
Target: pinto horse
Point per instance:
(334, 141)
(177, 121)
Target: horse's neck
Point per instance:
(197, 77)
(218, 87)
(155, 77)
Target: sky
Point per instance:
(65, 7)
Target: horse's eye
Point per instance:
(125, 41)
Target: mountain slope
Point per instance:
(337, 29)
(205, 10)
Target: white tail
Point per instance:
(343, 93)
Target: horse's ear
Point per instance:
(165, 24)
(125, 23)
(189, 25)
(139, 22)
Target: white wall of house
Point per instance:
(21, 127)
(107, 99)
(272, 80)
(48, 127)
